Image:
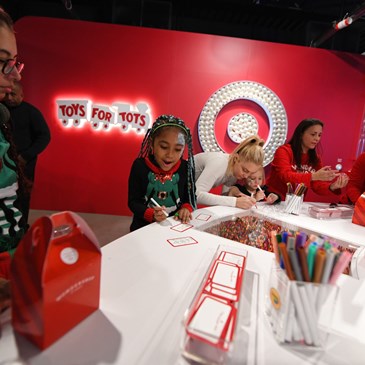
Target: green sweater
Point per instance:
(10, 231)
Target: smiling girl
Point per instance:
(161, 175)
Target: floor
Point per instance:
(106, 227)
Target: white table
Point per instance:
(147, 285)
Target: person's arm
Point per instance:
(325, 187)
(41, 135)
(356, 184)
(137, 184)
(212, 175)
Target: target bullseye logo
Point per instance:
(244, 124)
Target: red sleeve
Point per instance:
(356, 184)
(148, 215)
(284, 164)
(188, 207)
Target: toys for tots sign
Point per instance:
(104, 117)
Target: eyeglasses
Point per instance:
(9, 65)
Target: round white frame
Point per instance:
(248, 90)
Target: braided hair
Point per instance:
(170, 121)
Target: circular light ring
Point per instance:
(255, 92)
(242, 126)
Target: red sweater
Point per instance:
(284, 170)
(356, 184)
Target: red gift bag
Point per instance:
(359, 211)
(55, 278)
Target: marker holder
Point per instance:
(293, 203)
(300, 313)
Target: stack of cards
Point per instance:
(212, 317)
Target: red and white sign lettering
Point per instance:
(122, 115)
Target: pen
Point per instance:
(158, 205)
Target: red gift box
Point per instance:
(359, 211)
(55, 278)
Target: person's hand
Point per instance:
(324, 174)
(159, 214)
(245, 202)
(271, 198)
(340, 182)
(4, 294)
(184, 215)
(260, 195)
(234, 191)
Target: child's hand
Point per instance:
(159, 214)
(184, 215)
(272, 198)
(260, 195)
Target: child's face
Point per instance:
(168, 147)
(254, 180)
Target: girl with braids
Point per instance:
(161, 174)
(214, 169)
(298, 162)
(11, 229)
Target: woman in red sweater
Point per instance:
(356, 185)
(298, 162)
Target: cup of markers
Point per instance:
(294, 199)
(302, 290)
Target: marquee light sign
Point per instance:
(77, 112)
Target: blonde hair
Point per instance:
(249, 150)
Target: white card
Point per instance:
(234, 258)
(182, 241)
(210, 320)
(225, 275)
(203, 217)
(181, 227)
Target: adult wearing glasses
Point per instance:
(12, 179)
(213, 169)
(30, 133)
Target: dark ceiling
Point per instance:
(300, 22)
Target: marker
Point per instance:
(340, 266)
(319, 265)
(290, 246)
(158, 205)
(259, 187)
(312, 249)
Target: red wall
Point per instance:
(175, 72)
